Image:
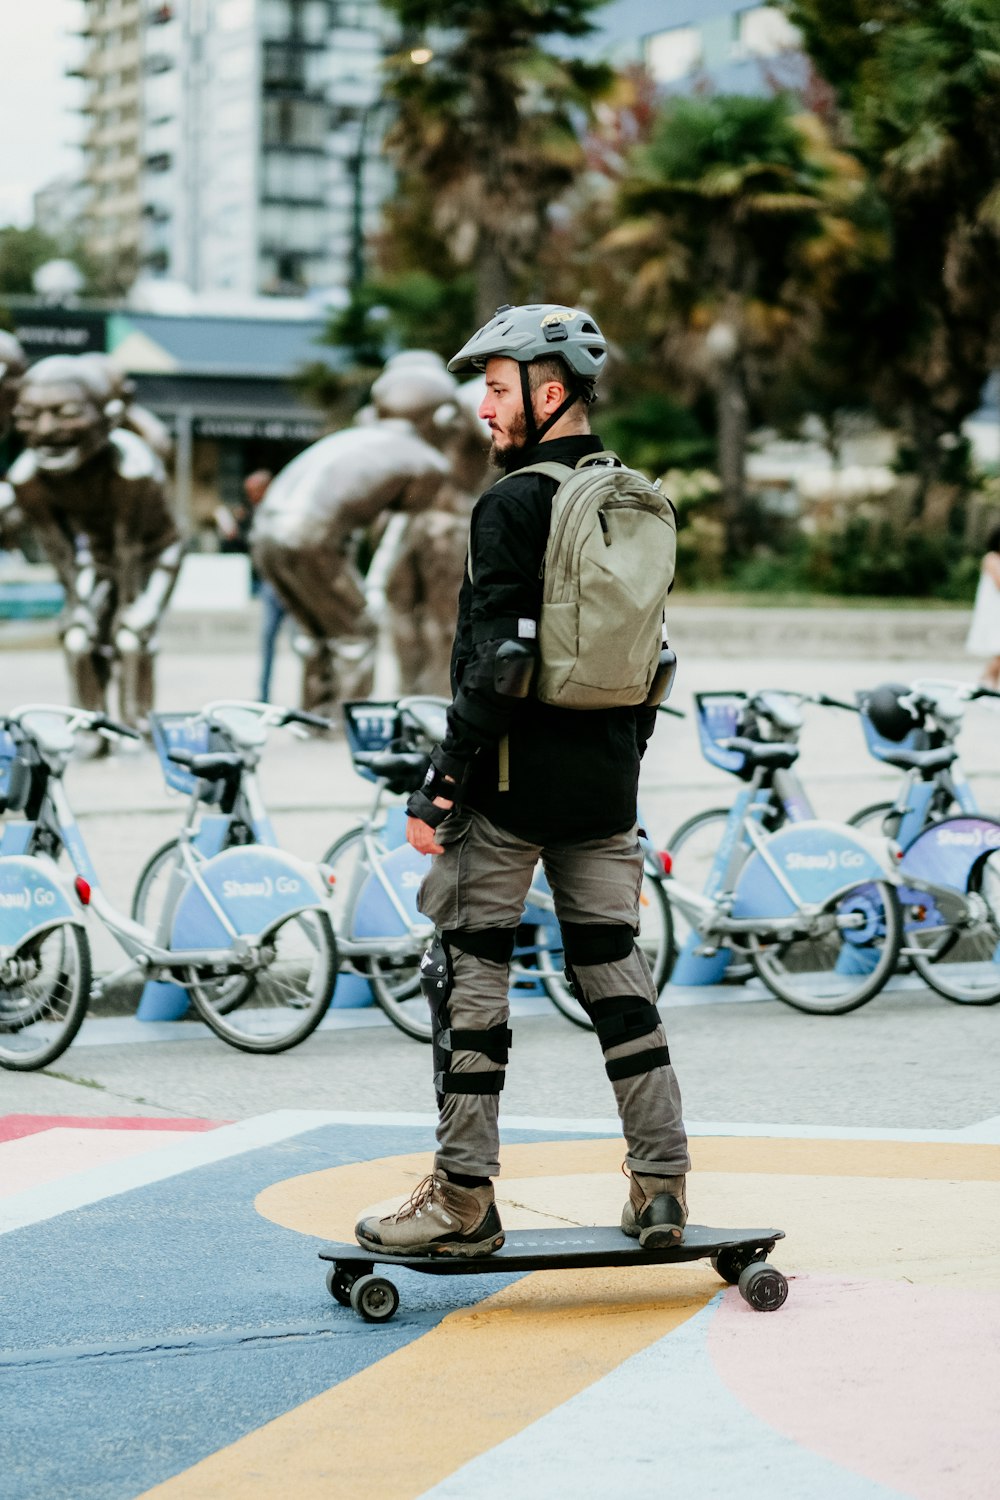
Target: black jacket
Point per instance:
(573, 773)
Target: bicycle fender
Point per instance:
(31, 898)
(254, 885)
(946, 852)
(374, 915)
(817, 860)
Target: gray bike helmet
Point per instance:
(539, 330)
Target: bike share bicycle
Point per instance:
(380, 933)
(949, 863)
(244, 931)
(946, 883)
(810, 907)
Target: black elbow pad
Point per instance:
(513, 669)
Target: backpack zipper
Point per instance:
(576, 513)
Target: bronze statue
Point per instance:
(305, 540)
(13, 363)
(425, 571)
(94, 496)
(134, 418)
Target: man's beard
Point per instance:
(509, 458)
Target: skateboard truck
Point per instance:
(739, 1256)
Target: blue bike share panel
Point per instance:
(253, 885)
(30, 899)
(817, 860)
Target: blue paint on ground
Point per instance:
(146, 1331)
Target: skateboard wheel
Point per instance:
(374, 1298)
(339, 1283)
(763, 1287)
(731, 1263)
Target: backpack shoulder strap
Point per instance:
(555, 471)
(605, 460)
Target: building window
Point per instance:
(673, 54)
(293, 178)
(295, 122)
(284, 67)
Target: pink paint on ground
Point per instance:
(52, 1155)
(892, 1381)
(12, 1127)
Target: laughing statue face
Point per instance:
(62, 416)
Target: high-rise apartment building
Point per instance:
(230, 145)
(112, 143)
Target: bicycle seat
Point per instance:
(209, 766)
(404, 770)
(927, 761)
(776, 757)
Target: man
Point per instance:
(95, 499)
(273, 612)
(516, 779)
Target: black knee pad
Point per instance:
(596, 943)
(437, 982)
(626, 1018)
(495, 944)
(623, 1018)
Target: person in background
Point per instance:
(984, 632)
(273, 612)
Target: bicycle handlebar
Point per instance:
(111, 726)
(76, 718)
(299, 716)
(825, 701)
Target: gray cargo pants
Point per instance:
(474, 894)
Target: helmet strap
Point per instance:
(532, 429)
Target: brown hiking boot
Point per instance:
(656, 1211)
(438, 1218)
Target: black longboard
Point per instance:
(738, 1255)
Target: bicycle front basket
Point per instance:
(370, 727)
(180, 732)
(719, 716)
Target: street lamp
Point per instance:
(420, 57)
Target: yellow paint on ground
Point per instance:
(892, 1210)
(329, 1203)
(480, 1376)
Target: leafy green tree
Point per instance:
(22, 251)
(489, 124)
(738, 223)
(918, 82)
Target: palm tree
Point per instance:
(737, 225)
(919, 89)
(488, 123)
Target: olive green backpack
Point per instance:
(607, 571)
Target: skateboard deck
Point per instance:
(738, 1255)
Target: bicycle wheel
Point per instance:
(692, 848)
(395, 982)
(963, 964)
(655, 940)
(288, 989)
(845, 957)
(44, 994)
(150, 892)
(871, 817)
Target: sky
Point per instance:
(37, 125)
